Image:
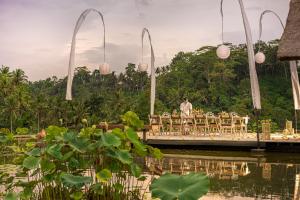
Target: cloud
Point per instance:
(36, 35)
(118, 56)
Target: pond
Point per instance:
(237, 175)
(233, 175)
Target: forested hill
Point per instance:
(209, 83)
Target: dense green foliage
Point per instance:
(59, 165)
(210, 83)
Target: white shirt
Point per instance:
(185, 108)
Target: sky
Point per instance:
(35, 35)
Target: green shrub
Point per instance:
(61, 161)
(4, 131)
(22, 131)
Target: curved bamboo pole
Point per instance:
(79, 22)
(253, 75)
(293, 67)
(153, 80)
(255, 93)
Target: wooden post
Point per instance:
(296, 126)
(144, 135)
(257, 127)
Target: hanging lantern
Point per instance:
(142, 67)
(104, 69)
(223, 51)
(260, 57)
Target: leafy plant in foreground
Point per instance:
(94, 165)
(88, 165)
(174, 187)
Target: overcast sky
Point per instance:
(35, 35)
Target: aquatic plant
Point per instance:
(91, 164)
(175, 187)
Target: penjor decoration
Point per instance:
(223, 52)
(104, 68)
(144, 66)
(260, 58)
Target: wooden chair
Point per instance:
(201, 124)
(213, 123)
(238, 124)
(165, 123)
(176, 124)
(226, 123)
(155, 124)
(188, 125)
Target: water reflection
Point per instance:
(237, 176)
(233, 175)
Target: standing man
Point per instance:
(186, 108)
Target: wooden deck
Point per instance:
(219, 142)
(278, 142)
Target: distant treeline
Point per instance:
(210, 84)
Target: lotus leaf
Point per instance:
(55, 151)
(68, 155)
(77, 195)
(74, 163)
(47, 166)
(132, 120)
(132, 135)
(31, 162)
(122, 155)
(104, 175)
(11, 196)
(187, 187)
(110, 140)
(34, 152)
(118, 132)
(155, 152)
(76, 143)
(75, 181)
(135, 170)
(53, 131)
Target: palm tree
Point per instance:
(11, 108)
(4, 70)
(19, 77)
(5, 80)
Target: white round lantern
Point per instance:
(143, 67)
(223, 52)
(104, 69)
(260, 57)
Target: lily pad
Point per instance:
(186, 187)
